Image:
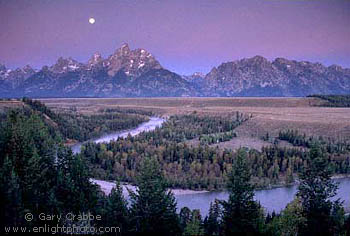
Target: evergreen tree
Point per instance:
(116, 211)
(11, 206)
(27, 163)
(347, 225)
(241, 213)
(315, 190)
(37, 175)
(195, 226)
(212, 222)
(288, 222)
(153, 207)
(185, 217)
(74, 189)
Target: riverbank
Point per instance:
(106, 188)
(271, 199)
(295, 183)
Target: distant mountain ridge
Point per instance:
(259, 77)
(136, 73)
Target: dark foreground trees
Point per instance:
(213, 220)
(38, 175)
(153, 206)
(313, 212)
(288, 222)
(241, 213)
(315, 192)
(114, 212)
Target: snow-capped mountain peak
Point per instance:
(132, 62)
(95, 60)
(65, 64)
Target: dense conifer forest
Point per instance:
(39, 174)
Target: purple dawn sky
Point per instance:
(184, 35)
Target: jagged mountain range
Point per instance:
(136, 73)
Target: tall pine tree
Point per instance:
(116, 211)
(212, 222)
(153, 206)
(194, 226)
(241, 214)
(315, 190)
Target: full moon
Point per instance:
(91, 20)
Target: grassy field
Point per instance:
(268, 114)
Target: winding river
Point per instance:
(271, 199)
(150, 125)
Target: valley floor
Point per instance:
(268, 114)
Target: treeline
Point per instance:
(127, 110)
(330, 145)
(81, 127)
(200, 167)
(334, 100)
